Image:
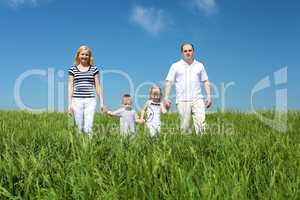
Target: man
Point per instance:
(187, 75)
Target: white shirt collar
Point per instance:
(185, 63)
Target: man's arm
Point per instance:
(168, 88)
(171, 76)
(208, 90)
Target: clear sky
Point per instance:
(238, 41)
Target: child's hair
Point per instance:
(91, 59)
(155, 87)
(126, 96)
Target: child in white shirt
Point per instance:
(153, 108)
(128, 116)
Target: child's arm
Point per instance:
(116, 113)
(110, 113)
(138, 120)
(144, 110)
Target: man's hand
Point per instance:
(167, 103)
(208, 102)
(207, 88)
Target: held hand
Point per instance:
(208, 103)
(104, 109)
(167, 103)
(140, 121)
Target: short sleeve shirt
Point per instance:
(187, 79)
(127, 120)
(84, 82)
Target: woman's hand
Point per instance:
(104, 109)
(70, 109)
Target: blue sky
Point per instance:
(238, 41)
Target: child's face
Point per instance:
(127, 101)
(84, 56)
(155, 94)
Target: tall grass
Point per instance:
(42, 157)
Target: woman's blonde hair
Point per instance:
(91, 59)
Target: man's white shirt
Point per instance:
(187, 79)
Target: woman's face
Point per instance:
(84, 57)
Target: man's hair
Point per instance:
(181, 47)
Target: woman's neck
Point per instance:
(83, 65)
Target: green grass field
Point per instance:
(42, 157)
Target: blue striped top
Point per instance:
(84, 82)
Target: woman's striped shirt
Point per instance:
(84, 82)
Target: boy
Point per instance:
(128, 116)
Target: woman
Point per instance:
(82, 83)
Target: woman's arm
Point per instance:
(99, 92)
(70, 93)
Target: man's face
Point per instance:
(187, 52)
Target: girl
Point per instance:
(153, 108)
(82, 83)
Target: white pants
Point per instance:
(84, 111)
(153, 128)
(197, 110)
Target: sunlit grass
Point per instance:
(43, 157)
